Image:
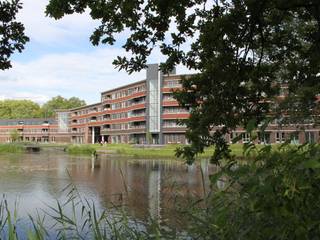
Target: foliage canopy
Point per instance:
(12, 37)
(15, 109)
(274, 196)
(59, 102)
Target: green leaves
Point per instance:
(273, 196)
(312, 163)
(12, 37)
(15, 109)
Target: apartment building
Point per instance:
(139, 113)
(35, 130)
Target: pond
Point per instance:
(147, 187)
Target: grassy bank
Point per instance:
(12, 148)
(167, 151)
(80, 149)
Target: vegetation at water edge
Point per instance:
(80, 149)
(12, 148)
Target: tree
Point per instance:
(12, 37)
(243, 49)
(15, 109)
(59, 102)
(14, 135)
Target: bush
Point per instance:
(276, 196)
(11, 148)
(80, 149)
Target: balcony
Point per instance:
(106, 117)
(93, 119)
(106, 107)
(137, 127)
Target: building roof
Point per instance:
(32, 121)
(125, 86)
(85, 106)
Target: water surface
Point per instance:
(147, 187)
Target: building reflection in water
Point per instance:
(147, 188)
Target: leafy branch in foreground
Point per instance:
(12, 37)
(274, 196)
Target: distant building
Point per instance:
(34, 130)
(141, 112)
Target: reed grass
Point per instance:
(12, 148)
(78, 218)
(80, 149)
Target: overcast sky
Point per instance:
(60, 60)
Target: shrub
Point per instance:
(275, 196)
(80, 149)
(11, 148)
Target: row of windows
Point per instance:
(280, 137)
(125, 92)
(174, 138)
(29, 130)
(87, 111)
(172, 123)
(135, 113)
(129, 103)
(78, 130)
(124, 126)
(119, 115)
(168, 97)
(174, 110)
(172, 84)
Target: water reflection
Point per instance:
(147, 187)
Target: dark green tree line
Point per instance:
(58, 102)
(15, 109)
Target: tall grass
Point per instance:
(80, 149)
(12, 148)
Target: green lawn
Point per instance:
(167, 151)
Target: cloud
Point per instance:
(75, 69)
(83, 75)
(70, 74)
(46, 30)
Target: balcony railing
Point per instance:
(137, 127)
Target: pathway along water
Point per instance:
(147, 187)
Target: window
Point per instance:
(310, 137)
(233, 135)
(294, 137)
(172, 83)
(264, 138)
(172, 123)
(174, 110)
(246, 137)
(280, 137)
(168, 97)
